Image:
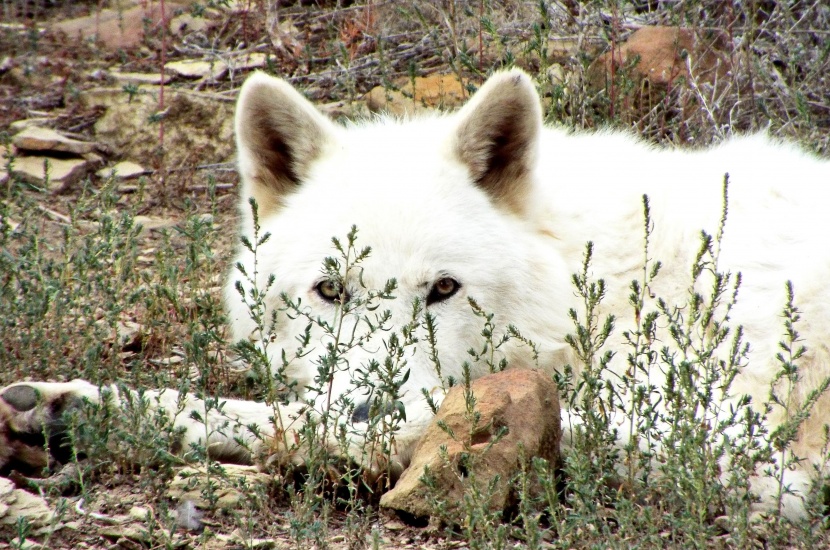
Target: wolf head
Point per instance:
(446, 203)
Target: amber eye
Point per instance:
(442, 289)
(329, 291)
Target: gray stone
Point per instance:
(123, 171)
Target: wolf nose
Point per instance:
(361, 411)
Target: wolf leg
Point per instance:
(33, 419)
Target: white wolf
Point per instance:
(488, 204)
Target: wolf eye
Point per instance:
(442, 289)
(330, 291)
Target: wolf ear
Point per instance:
(498, 135)
(279, 134)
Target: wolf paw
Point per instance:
(33, 422)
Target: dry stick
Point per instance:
(79, 508)
(613, 92)
(161, 84)
(480, 37)
(54, 215)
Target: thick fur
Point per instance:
(491, 199)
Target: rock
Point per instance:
(140, 78)
(248, 61)
(18, 503)
(94, 160)
(35, 138)
(4, 159)
(659, 55)
(6, 489)
(62, 172)
(122, 171)
(523, 401)
(198, 127)
(124, 334)
(125, 534)
(433, 91)
(189, 482)
(138, 513)
(197, 68)
(19, 125)
(117, 28)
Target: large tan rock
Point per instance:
(17, 503)
(35, 138)
(118, 28)
(198, 127)
(666, 67)
(659, 54)
(523, 401)
(61, 172)
(415, 96)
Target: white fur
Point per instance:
(413, 201)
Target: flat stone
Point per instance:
(196, 68)
(62, 172)
(122, 171)
(522, 404)
(19, 125)
(140, 78)
(35, 138)
(18, 503)
(247, 61)
(138, 513)
(131, 532)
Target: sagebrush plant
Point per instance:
(690, 444)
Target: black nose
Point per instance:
(362, 410)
